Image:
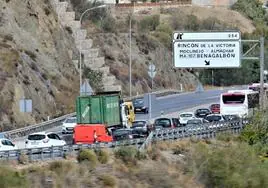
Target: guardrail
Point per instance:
(24, 131)
(202, 131)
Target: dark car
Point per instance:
(202, 112)
(162, 123)
(214, 117)
(140, 127)
(125, 134)
(139, 106)
(193, 122)
(215, 108)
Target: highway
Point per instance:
(167, 104)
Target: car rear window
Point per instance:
(215, 106)
(72, 120)
(121, 132)
(186, 115)
(162, 123)
(36, 137)
(196, 121)
(213, 118)
(202, 110)
(138, 124)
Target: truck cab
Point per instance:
(128, 114)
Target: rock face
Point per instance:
(35, 63)
(91, 58)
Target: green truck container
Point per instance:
(98, 109)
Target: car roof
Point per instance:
(71, 118)
(186, 113)
(214, 115)
(127, 129)
(202, 109)
(140, 121)
(43, 132)
(4, 139)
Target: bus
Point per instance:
(239, 102)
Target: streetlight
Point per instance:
(80, 45)
(130, 52)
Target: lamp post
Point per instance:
(130, 58)
(80, 45)
(130, 52)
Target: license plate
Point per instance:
(34, 143)
(138, 109)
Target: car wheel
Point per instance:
(146, 111)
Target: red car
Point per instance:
(215, 108)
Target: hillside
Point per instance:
(35, 63)
(153, 45)
(37, 54)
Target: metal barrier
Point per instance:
(208, 130)
(24, 131)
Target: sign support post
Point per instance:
(261, 59)
(261, 73)
(152, 73)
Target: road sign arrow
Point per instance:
(207, 62)
(152, 73)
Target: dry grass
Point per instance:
(160, 171)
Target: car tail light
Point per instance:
(45, 140)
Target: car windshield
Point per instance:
(162, 123)
(213, 118)
(70, 120)
(36, 137)
(138, 124)
(121, 132)
(138, 102)
(194, 121)
(186, 115)
(215, 106)
(202, 110)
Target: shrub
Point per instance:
(103, 156)
(251, 8)
(236, 165)
(154, 153)
(89, 156)
(149, 23)
(127, 154)
(95, 78)
(23, 158)
(108, 24)
(11, 178)
(60, 166)
(108, 180)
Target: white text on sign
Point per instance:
(207, 54)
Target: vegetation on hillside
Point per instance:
(228, 161)
(249, 71)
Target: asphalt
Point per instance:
(162, 106)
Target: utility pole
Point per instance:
(130, 58)
(261, 73)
